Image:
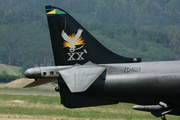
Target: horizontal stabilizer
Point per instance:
(79, 78)
(40, 81)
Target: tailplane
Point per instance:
(73, 44)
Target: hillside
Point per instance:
(9, 73)
(11, 70)
(20, 83)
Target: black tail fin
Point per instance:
(73, 44)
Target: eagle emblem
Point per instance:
(73, 40)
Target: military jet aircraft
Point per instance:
(89, 74)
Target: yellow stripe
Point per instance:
(52, 12)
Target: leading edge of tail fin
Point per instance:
(73, 44)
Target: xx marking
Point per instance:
(75, 56)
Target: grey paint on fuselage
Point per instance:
(146, 81)
(140, 83)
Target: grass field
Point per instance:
(49, 107)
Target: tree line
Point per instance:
(141, 28)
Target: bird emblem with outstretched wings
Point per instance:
(73, 40)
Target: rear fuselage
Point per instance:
(143, 83)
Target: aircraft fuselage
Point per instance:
(140, 83)
(145, 82)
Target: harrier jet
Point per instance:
(89, 74)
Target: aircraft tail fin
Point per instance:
(73, 44)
